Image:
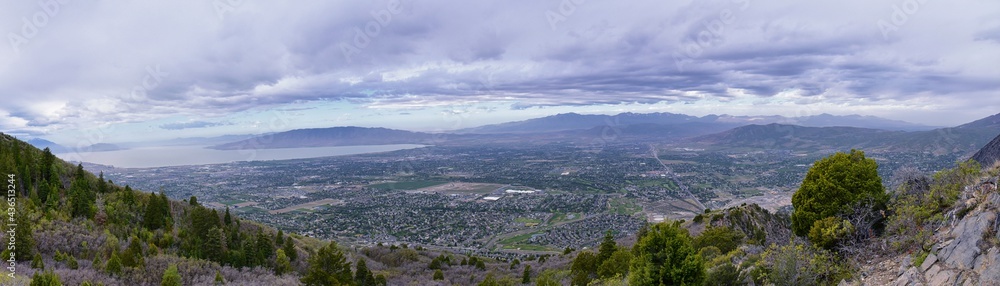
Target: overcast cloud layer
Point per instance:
(67, 65)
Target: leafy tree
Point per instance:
(615, 265)
(46, 278)
(833, 186)
(438, 275)
(665, 256)
(799, 264)
(725, 274)
(328, 267)
(171, 277)
(281, 263)
(828, 232)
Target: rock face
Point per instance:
(967, 251)
(990, 154)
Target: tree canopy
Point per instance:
(834, 186)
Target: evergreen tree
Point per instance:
(526, 275)
(114, 265)
(25, 243)
(218, 278)
(279, 239)
(153, 218)
(281, 263)
(290, 250)
(37, 262)
(171, 277)
(363, 276)
(380, 280)
(228, 219)
(438, 275)
(133, 256)
(607, 247)
(264, 246)
(46, 278)
(102, 185)
(193, 201)
(328, 267)
(213, 247)
(82, 197)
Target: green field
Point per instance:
(561, 217)
(527, 220)
(410, 185)
(623, 206)
(530, 247)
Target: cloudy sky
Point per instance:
(119, 71)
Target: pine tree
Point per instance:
(193, 201)
(328, 267)
(102, 185)
(133, 256)
(438, 275)
(607, 247)
(228, 219)
(213, 248)
(279, 239)
(153, 219)
(114, 265)
(171, 277)
(25, 243)
(46, 278)
(264, 246)
(363, 276)
(526, 275)
(218, 278)
(289, 248)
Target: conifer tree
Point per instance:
(171, 277)
(328, 267)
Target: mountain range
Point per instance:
(821, 132)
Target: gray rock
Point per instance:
(944, 277)
(968, 233)
(910, 277)
(931, 259)
(989, 267)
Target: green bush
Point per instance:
(828, 232)
(835, 185)
(666, 256)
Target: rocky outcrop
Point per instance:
(989, 155)
(967, 251)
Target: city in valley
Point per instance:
(500, 200)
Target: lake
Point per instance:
(149, 157)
